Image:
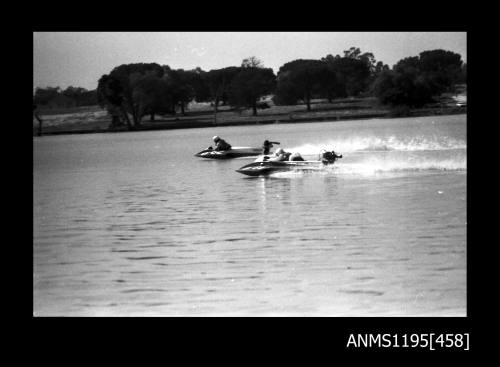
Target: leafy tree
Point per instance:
(355, 70)
(442, 68)
(462, 78)
(331, 85)
(301, 80)
(219, 81)
(153, 95)
(110, 95)
(80, 96)
(71, 96)
(252, 62)
(251, 83)
(352, 53)
(181, 84)
(200, 86)
(380, 67)
(404, 87)
(407, 62)
(44, 95)
(116, 116)
(354, 74)
(74, 93)
(415, 80)
(118, 88)
(285, 93)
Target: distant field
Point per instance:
(203, 111)
(67, 110)
(94, 118)
(71, 119)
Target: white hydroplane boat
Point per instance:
(264, 166)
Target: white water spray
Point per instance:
(389, 143)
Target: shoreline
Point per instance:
(182, 124)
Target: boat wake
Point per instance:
(384, 164)
(377, 144)
(373, 165)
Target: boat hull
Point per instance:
(267, 167)
(235, 152)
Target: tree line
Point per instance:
(69, 97)
(131, 91)
(415, 81)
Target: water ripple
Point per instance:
(375, 293)
(138, 290)
(146, 258)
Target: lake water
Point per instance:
(132, 224)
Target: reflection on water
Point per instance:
(133, 224)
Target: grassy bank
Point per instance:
(94, 119)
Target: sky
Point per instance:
(79, 59)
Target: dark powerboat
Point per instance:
(234, 152)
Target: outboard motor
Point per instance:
(329, 157)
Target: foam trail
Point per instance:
(374, 165)
(389, 143)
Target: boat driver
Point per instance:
(266, 147)
(280, 155)
(296, 157)
(221, 144)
